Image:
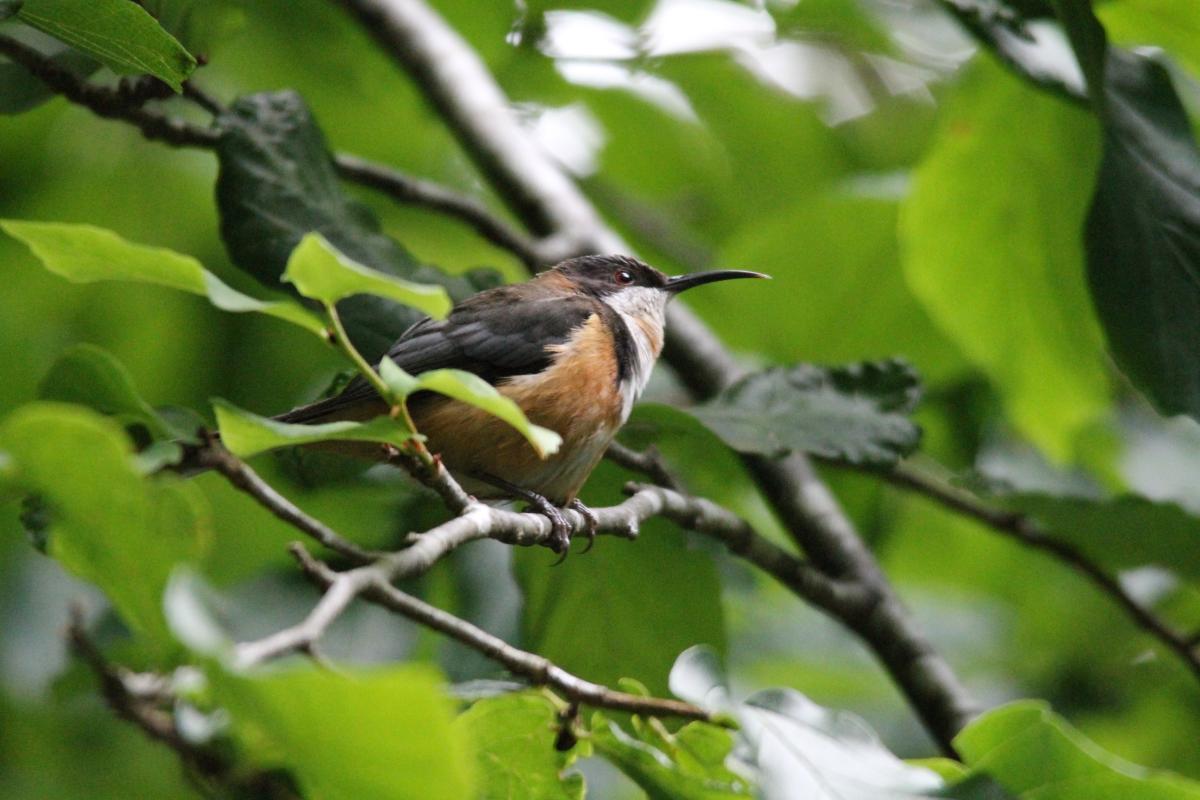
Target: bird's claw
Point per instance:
(591, 523)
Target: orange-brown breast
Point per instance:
(577, 397)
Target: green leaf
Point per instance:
(89, 376)
(20, 90)
(620, 580)
(856, 413)
(513, 736)
(247, 434)
(1005, 280)
(689, 766)
(319, 271)
(466, 387)
(9, 7)
(384, 734)
(277, 183)
(1032, 752)
(108, 524)
(85, 254)
(1172, 25)
(1143, 235)
(118, 33)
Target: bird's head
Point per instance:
(633, 287)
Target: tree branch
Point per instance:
(459, 87)
(1025, 530)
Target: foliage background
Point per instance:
(918, 201)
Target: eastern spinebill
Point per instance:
(573, 347)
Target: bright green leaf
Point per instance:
(513, 735)
(469, 388)
(1034, 753)
(319, 271)
(384, 734)
(857, 413)
(1172, 25)
(89, 376)
(84, 254)
(1002, 271)
(109, 525)
(247, 434)
(118, 33)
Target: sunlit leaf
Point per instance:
(84, 254)
(384, 734)
(513, 736)
(119, 34)
(319, 271)
(109, 525)
(857, 413)
(469, 388)
(247, 434)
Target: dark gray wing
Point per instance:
(495, 335)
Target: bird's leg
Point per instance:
(560, 528)
(590, 521)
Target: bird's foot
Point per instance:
(591, 523)
(560, 528)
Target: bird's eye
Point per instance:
(623, 277)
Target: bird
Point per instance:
(573, 347)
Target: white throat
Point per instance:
(643, 310)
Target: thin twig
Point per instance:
(649, 462)
(1027, 531)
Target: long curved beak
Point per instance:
(680, 283)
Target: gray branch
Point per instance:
(459, 87)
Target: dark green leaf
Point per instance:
(9, 7)
(277, 183)
(856, 413)
(89, 376)
(20, 90)
(118, 33)
(108, 524)
(1032, 752)
(247, 434)
(513, 736)
(385, 734)
(1143, 235)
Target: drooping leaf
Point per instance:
(109, 525)
(320, 272)
(117, 33)
(1006, 281)
(856, 413)
(352, 734)
(513, 737)
(469, 388)
(247, 434)
(277, 183)
(688, 766)
(90, 376)
(1143, 235)
(85, 254)
(1032, 752)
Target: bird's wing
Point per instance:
(495, 335)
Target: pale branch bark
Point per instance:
(1024, 529)
(465, 94)
(539, 670)
(127, 105)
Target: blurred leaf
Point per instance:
(1034, 753)
(469, 388)
(84, 254)
(109, 525)
(626, 610)
(689, 766)
(118, 33)
(89, 376)
(384, 734)
(1002, 271)
(277, 183)
(1143, 235)
(9, 7)
(856, 413)
(1172, 25)
(247, 434)
(513, 736)
(20, 90)
(320, 272)
(843, 22)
